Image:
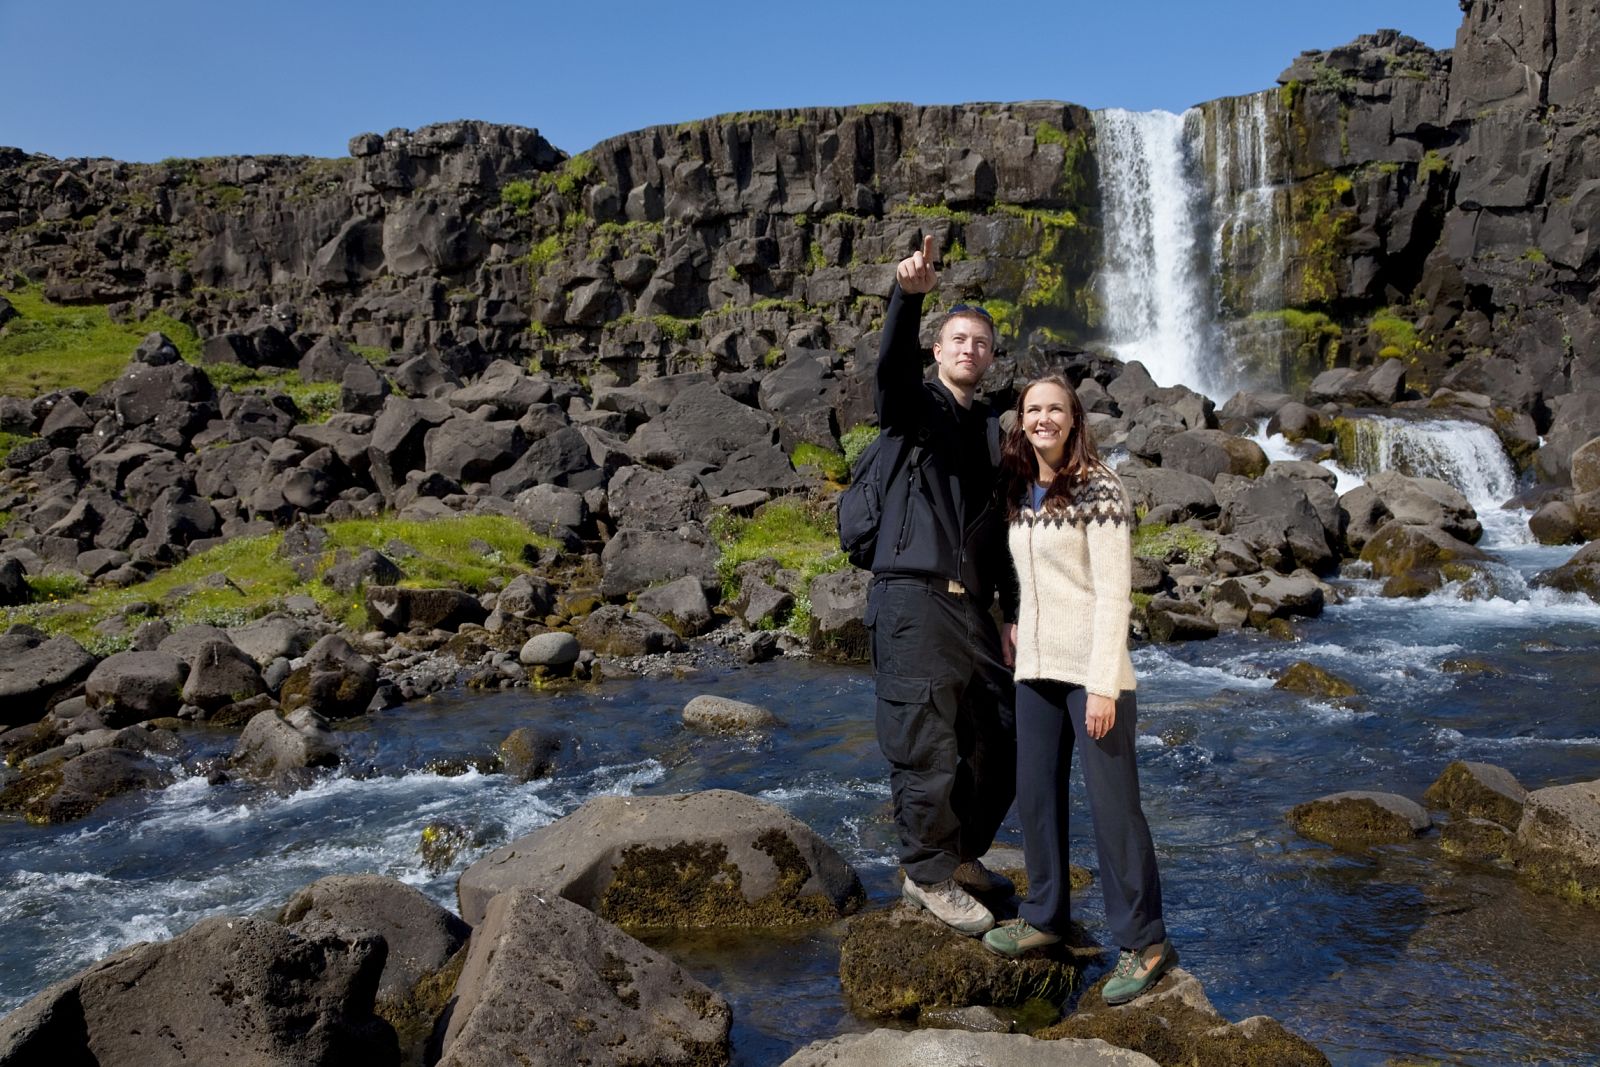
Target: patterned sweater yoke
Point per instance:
(1074, 563)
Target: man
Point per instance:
(944, 717)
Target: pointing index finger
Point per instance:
(927, 247)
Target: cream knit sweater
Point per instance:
(1075, 572)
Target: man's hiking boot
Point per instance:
(1137, 972)
(977, 879)
(1017, 937)
(950, 904)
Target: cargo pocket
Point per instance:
(903, 711)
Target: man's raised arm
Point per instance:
(900, 360)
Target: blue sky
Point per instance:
(143, 81)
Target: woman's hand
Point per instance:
(1008, 644)
(1100, 715)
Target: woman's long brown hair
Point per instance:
(1019, 465)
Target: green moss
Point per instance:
(227, 196)
(1343, 186)
(1175, 543)
(674, 328)
(54, 346)
(518, 195)
(317, 401)
(8, 441)
(830, 463)
(568, 178)
(1321, 220)
(450, 553)
(816, 258)
(1075, 154)
(1397, 337)
(799, 535)
(1432, 163)
(932, 211)
(855, 440)
(1289, 94)
(1535, 255)
(1007, 317)
(543, 253)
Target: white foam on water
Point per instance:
(1334, 714)
(1154, 662)
(787, 796)
(1455, 738)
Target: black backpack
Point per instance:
(861, 504)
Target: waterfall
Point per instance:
(1465, 455)
(1154, 281)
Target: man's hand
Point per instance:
(915, 273)
(1008, 644)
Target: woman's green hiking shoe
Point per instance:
(1137, 971)
(1016, 937)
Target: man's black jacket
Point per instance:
(928, 527)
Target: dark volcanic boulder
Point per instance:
(615, 631)
(546, 982)
(1427, 502)
(422, 940)
(336, 681)
(1253, 599)
(681, 605)
(394, 609)
(643, 499)
(801, 395)
(471, 450)
(130, 686)
(230, 989)
(1278, 521)
(14, 588)
(1208, 453)
(561, 458)
(55, 794)
(838, 604)
(709, 426)
(219, 674)
(637, 559)
(33, 670)
(696, 860)
(284, 750)
(1580, 574)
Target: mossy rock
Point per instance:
(1557, 846)
(1360, 819)
(1078, 878)
(1175, 1025)
(415, 1015)
(900, 962)
(1310, 680)
(1476, 839)
(1471, 667)
(441, 841)
(30, 793)
(1478, 791)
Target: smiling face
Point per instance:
(1047, 422)
(964, 352)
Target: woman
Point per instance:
(1071, 544)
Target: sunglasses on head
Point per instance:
(970, 309)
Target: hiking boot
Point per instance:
(1137, 971)
(950, 904)
(1014, 938)
(974, 877)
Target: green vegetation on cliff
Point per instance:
(1173, 543)
(246, 577)
(54, 346)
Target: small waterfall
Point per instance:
(1465, 455)
(1154, 281)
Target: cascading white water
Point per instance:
(1155, 282)
(1465, 455)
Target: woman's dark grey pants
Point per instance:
(944, 722)
(1050, 718)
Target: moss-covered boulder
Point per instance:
(1175, 1025)
(1358, 819)
(1417, 560)
(697, 860)
(61, 791)
(1580, 574)
(1557, 847)
(441, 841)
(900, 962)
(1478, 791)
(1307, 678)
(1476, 839)
(335, 681)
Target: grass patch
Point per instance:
(1432, 163)
(855, 441)
(317, 401)
(52, 346)
(8, 441)
(568, 178)
(451, 552)
(800, 535)
(518, 195)
(1179, 543)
